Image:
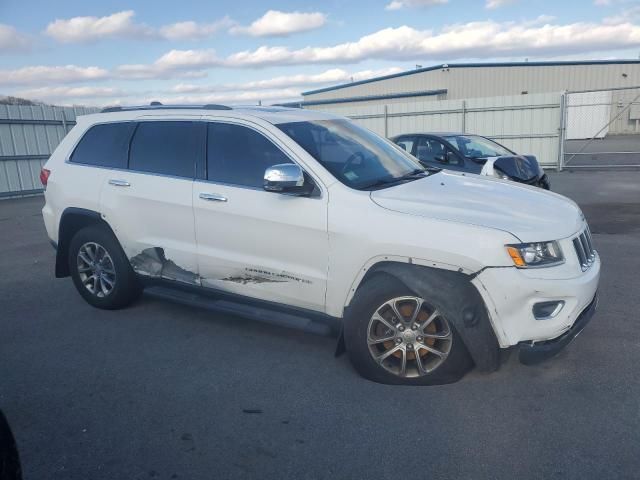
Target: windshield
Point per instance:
(354, 155)
(472, 146)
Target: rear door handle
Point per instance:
(213, 197)
(119, 183)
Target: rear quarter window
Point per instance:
(104, 145)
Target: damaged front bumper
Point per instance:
(510, 295)
(532, 353)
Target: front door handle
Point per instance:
(119, 183)
(213, 197)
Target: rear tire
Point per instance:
(419, 330)
(100, 269)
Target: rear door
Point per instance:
(251, 242)
(149, 204)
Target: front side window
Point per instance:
(167, 148)
(239, 155)
(434, 151)
(473, 146)
(357, 157)
(104, 145)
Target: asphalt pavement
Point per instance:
(165, 391)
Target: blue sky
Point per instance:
(115, 51)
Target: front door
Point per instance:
(260, 244)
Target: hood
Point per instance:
(529, 213)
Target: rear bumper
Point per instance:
(532, 353)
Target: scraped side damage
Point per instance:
(152, 262)
(245, 279)
(255, 275)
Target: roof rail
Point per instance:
(160, 106)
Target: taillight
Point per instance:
(44, 176)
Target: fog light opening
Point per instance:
(547, 310)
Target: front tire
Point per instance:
(100, 269)
(394, 336)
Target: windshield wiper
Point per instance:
(417, 173)
(413, 175)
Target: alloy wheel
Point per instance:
(408, 337)
(96, 269)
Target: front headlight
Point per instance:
(538, 254)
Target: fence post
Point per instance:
(464, 116)
(386, 122)
(562, 130)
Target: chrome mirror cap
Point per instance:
(283, 178)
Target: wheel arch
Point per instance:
(468, 313)
(72, 220)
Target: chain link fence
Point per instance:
(601, 129)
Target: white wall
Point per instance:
(527, 124)
(28, 135)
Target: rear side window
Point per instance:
(239, 155)
(406, 143)
(167, 148)
(104, 145)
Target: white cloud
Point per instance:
(13, 41)
(122, 25)
(275, 23)
(239, 97)
(271, 90)
(627, 15)
(91, 29)
(477, 40)
(51, 75)
(173, 63)
(331, 76)
(540, 20)
(192, 31)
(493, 4)
(487, 39)
(398, 4)
(56, 93)
(144, 98)
(540, 37)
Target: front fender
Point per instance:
(465, 308)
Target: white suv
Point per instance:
(294, 214)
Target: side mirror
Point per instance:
(285, 178)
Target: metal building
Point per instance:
(475, 80)
(531, 107)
